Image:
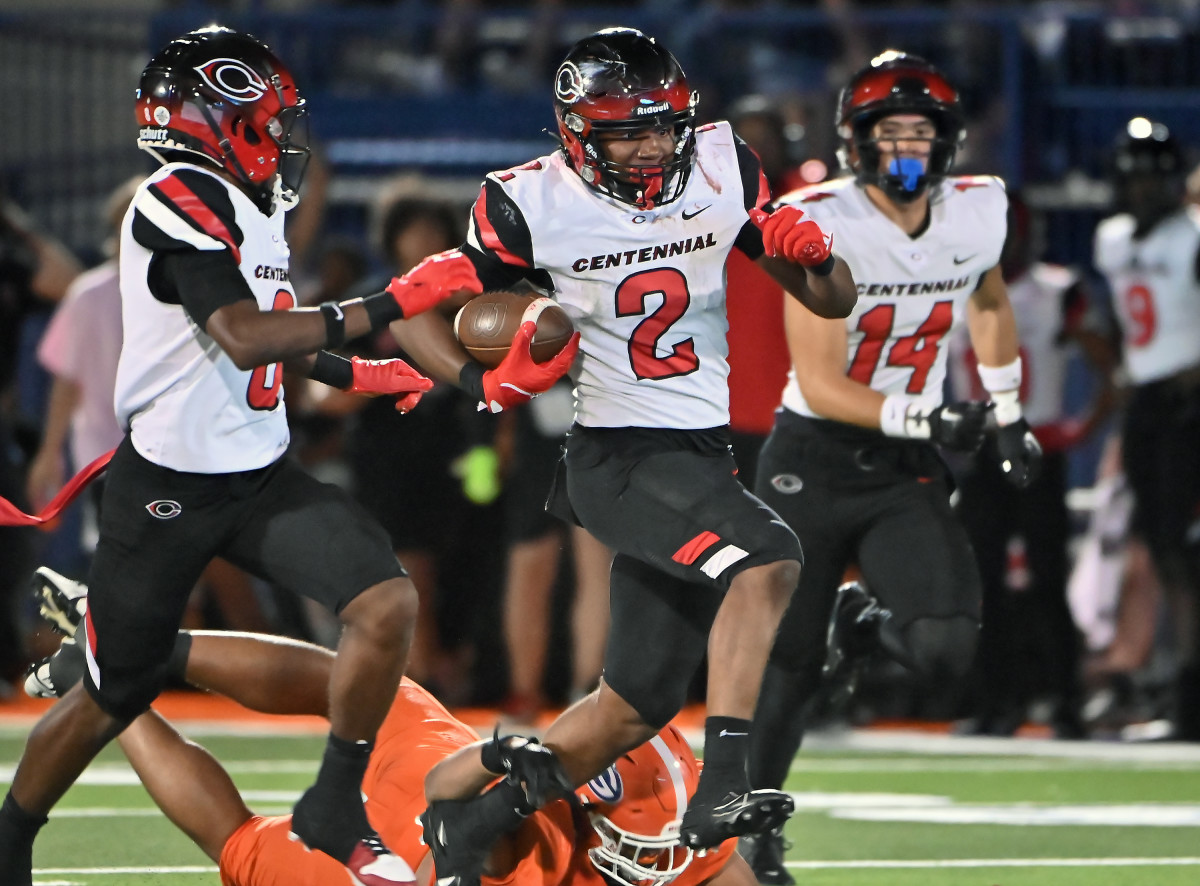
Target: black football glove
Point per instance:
(959, 426)
(529, 764)
(1020, 453)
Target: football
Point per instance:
(485, 326)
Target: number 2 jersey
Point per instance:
(184, 402)
(645, 288)
(1154, 286)
(912, 291)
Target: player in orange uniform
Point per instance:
(623, 827)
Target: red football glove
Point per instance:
(434, 280)
(518, 378)
(789, 234)
(377, 377)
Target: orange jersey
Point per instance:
(550, 847)
(551, 850)
(417, 733)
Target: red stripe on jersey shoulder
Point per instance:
(199, 212)
(488, 236)
(966, 182)
(688, 554)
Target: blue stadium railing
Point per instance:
(1060, 84)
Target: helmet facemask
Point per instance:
(636, 859)
(642, 186)
(906, 177)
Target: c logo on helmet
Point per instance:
(233, 79)
(607, 786)
(568, 83)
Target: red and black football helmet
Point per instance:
(1148, 170)
(635, 807)
(620, 80)
(221, 97)
(898, 83)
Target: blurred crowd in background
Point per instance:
(412, 102)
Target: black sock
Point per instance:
(330, 815)
(726, 748)
(17, 831)
(343, 766)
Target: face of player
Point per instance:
(903, 136)
(639, 147)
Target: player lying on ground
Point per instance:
(621, 827)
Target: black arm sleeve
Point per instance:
(200, 281)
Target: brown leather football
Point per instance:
(485, 326)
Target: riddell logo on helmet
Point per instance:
(653, 109)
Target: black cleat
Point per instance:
(61, 601)
(850, 640)
(54, 675)
(458, 858)
(764, 853)
(706, 825)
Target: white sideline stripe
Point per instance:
(804, 763)
(122, 774)
(170, 869)
(912, 742)
(998, 863)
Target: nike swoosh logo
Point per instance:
(959, 261)
(688, 215)
(725, 732)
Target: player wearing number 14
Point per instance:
(851, 463)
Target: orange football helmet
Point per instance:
(635, 807)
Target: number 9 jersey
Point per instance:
(644, 287)
(912, 291)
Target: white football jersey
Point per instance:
(1155, 292)
(912, 291)
(185, 403)
(645, 288)
(1044, 302)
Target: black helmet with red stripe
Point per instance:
(620, 80)
(898, 83)
(222, 98)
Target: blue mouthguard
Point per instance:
(909, 169)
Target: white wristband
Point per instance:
(1001, 378)
(1008, 407)
(902, 417)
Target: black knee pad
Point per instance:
(940, 648)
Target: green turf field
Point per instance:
(961, 813)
